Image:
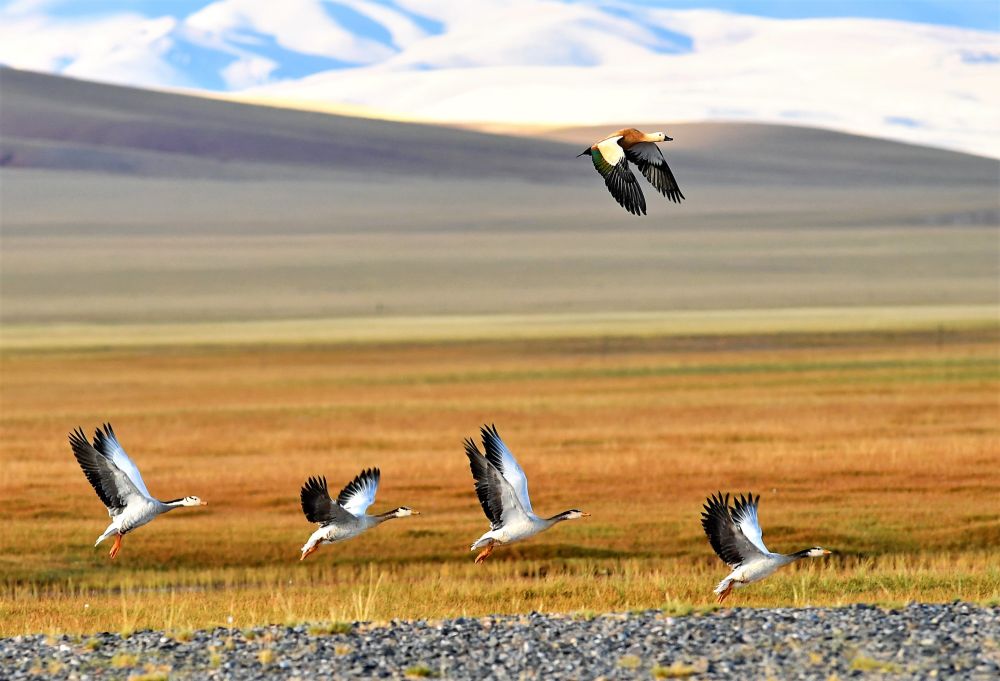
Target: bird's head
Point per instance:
(193, 501)
(572, 514)
(817, 552)
(661, 137)
(404, 511)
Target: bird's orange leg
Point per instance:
(117, 547)
(485, 553)
(308, 552)
(725, 593)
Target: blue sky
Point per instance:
(977, 14)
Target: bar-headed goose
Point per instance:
(735, 535)
(503, 493)
(344, 518)
(611, 156)
(119, 485)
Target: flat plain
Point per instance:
(879, 446)
(254, 295)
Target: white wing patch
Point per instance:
(750, 527)
(109, 446)
(610, 150)
(509, 467)
(361, 497)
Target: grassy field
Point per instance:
(880, 446)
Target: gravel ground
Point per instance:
(953, 641)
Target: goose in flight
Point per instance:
(503, 493)
(735, 535)
(344, 518)
(611, 156)
(119, 485)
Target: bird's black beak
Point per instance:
(584, 152)
(668, 139)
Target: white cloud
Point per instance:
(296, 25)
(248, 72)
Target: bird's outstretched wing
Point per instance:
(501, 458)
(317, 505)
(107, 444)
(496, 495)
(724, 533)
(113, 486)
(610, 161)
(745, 516)
(359, 493)
(488, 494)
(648, 158)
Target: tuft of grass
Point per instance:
(862, 663)
(54, 667)
(677, 670)
(266, 656)
(342, 649)
(420, 671)
(92, 643)
(214, 658)
(183, 636)
(629, 662)
(330, 628)
(152, 673)
(124, 660)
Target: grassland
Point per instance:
(881, 446)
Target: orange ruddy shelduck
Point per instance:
(611, 156)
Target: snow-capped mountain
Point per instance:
(545, 62)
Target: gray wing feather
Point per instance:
(724, 533)
(496, 495)
(107, 444)
(649, 160)
(317, 505)
(113, 486)
(501, 458)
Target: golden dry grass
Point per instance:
(882, 447)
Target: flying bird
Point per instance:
(119, 485)
(736, 538)
(503, 493)
(611, 157)
(344, 518)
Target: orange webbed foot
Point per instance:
(485, 553)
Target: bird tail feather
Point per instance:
(483, 541)
(723, 585)
(107, 533)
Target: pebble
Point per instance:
(954, 641)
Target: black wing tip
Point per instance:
(367, 476)
(77, 437)
(744, 501)
(314, 483)
(471, 448)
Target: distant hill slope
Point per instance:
(120, 206)
(58, 123)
